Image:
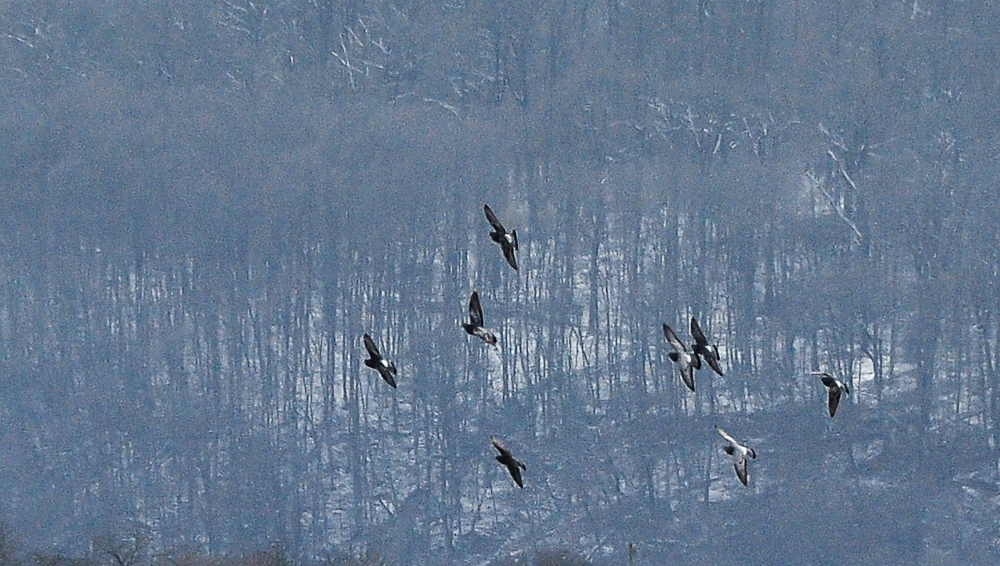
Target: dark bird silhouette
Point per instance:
(513, 465)
(836, 387)
(738, 454)
(475, 324)
(702, 348)
(500, 235)
(384, 367)
(686, 361)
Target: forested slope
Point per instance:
(204, 205)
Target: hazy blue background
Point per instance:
(205, 204)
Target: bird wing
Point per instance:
(508, 253)
(371, 347)
(672, 338)
(687, 375)
(834, 400)
(475, 310)
(516, 474)
(742, 471)
(725, 435)
(713, 363)
(500, 447)
(492, 218)
(387, 376)
(696, 332)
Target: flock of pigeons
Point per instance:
(690, 360)
(687, 361)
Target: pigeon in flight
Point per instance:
(686, 361)
(836, 388)
(513, 465)
(500, 235)
(475, 325)
(384, 367)
(702, 348)
(738, 454)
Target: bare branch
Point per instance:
(444, 105)
(819, 184)
(19, 39)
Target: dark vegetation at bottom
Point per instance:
(134, 550)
